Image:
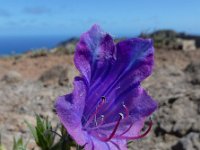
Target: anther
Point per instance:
(102, 120)
(103, 98)
(126, 109)
(122, 115)
(123, 133)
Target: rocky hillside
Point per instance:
(29, 84)
(170, 39)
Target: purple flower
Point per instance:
(108, 106)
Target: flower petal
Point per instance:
(114, 144)
(137, 101)
(134, 62)
(94, 52)
(70, 110)
(135, 128)
(113, 72)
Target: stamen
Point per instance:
(125, 131)
(106, 139)
(126, 110)
(103, 98)
(122, 115)
(95, 119)
(102, 120)
(104, 125)
(93, 116)
(111, 124)
(137, 137)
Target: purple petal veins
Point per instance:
(108, 106)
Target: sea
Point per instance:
(13, 45)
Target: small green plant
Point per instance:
(19, 144)
(38, 53)
(68, 49)
(1, 145)
(42, 134)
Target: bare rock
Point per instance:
(63, 78)
(190, 142)
(186, 45)
(55, 75)
(178, 118)
(12, 77)
(193, 71)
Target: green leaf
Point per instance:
(19, 144)
(33, 131)
(45, 135)
(44, 138)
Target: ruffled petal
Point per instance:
(117, 144)
(114, 144)
(135, 128)
(70, 110)
(94, 52)
(95, 144)
(70, 118)
(143, 105)
(137, 101)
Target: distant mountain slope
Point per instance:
(168, 37)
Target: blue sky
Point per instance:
(119, 17)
